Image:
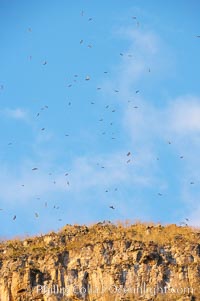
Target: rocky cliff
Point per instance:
(103, 262)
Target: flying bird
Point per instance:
(137, 91)
(45, 62)
(36, 215)
(112, 207)
(55, 207)
(14, 217)
(35, 168)
(87, 77)
(184, 224)
(128, 154)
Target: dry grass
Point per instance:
(77, 237)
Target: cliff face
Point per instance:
(103, 262)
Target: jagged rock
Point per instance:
(103, 262)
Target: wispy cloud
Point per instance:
(152, 127)
(18, 113)
(184, 115)
(147, 128)
(85, 173)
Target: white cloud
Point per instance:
(185, 115)
(17, 113)
(146, 42)
(177, 119)
(97, 173)
(146, 126)
(151, 126)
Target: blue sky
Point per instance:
(82, 84)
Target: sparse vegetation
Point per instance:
(147, 242)
(76, 237)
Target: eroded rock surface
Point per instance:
(103, 262)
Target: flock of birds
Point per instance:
(87, 78)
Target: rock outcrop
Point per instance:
(103, 262)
